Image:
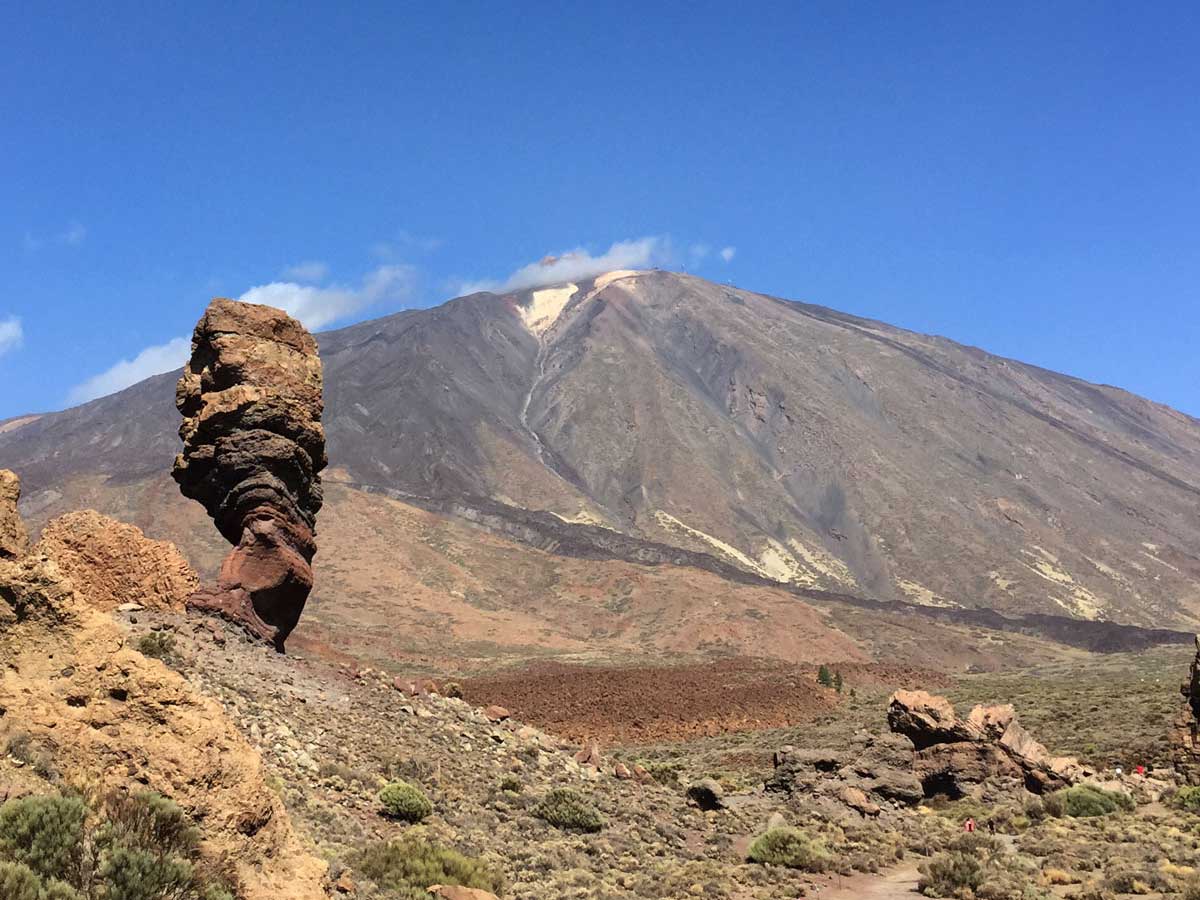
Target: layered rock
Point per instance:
(253, 448)
(1185, 732)
(878, 770)
(13, 539)
(102, 714)
(954, 756)
(112, 563)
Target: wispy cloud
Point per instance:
(580, 263)
(11, 334)
(310, 270)
(404, 244)
(728, 253)
(315, 306)
(71, 236)
(151, 361)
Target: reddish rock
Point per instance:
(640, 773)
(14, 540)
(589, 755)
(856, 799)
(253, 449)
(620, 770)
(497, 713)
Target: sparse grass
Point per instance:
(160, 645)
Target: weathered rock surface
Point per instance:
(253, 449)
(954, 756)
(1185, 731)
(112, 563)
(104, 713)
(880, 770)
(13, 539)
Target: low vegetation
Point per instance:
(1085, 800)
(126, 847)
(406, 867)
(789, 847)
(569, 810)
(400, 800)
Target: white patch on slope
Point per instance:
(545, 306)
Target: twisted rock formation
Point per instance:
(112, 563)
(13, 539)
(253, 448)
(953, 755)
(1185, 732)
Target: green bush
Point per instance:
(44, 833)
(1188, 798)
(408, 866)
(1085, 800)
(137, 847)
(400, 800)
(19, 882)
(789, 847)
(568, 810)
(511, 783)
(951, 875)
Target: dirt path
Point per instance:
(895, 884)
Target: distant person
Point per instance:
(1141, 770)
(1119, 771)
(969, 826)
(991, 827)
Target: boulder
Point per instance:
(706, 794)
(1185, 729)
(253, 450)
(497, 713)
(114, 566)
(926, 719)
(14, 540)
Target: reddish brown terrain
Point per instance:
(651, 704)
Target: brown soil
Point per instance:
(648, 704)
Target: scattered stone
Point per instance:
(497, 713)
(253, 450)
(589, 755)
(454, 892)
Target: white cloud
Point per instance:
(578, 264)
(405, 243)
(11, 334)
(727, 253)
(151, 361)
(697, 252)
(316, 307)
(310, 270)
(74, 234)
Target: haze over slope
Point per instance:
(796, 442)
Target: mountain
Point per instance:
(793, 442)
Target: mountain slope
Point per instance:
(793, 441)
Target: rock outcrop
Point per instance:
(13, 539)
(877, 771)
(99, 713)
(955, 756)
(1185, 731)
(253, 450)
(111, 563)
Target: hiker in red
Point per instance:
(969, 826)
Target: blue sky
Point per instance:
(1025, 178)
